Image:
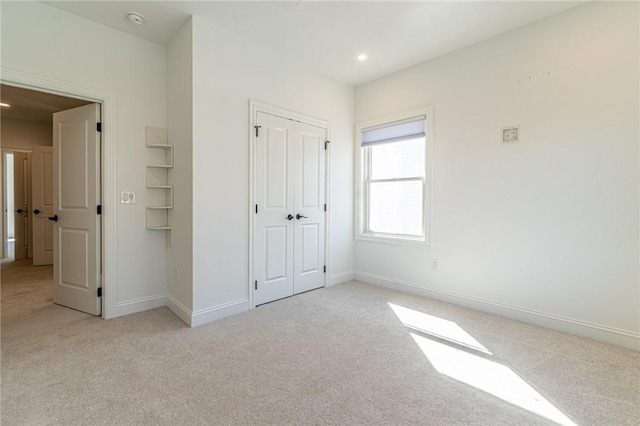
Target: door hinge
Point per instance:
(99, 127)
(256, 285)
(99, 209)
(256, 209)
(257, 127)
(325, 207)
(99, 291)
(325, 269)
(325, 144)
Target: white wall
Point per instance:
(228, 72)
(545, 230)
(180, 92)
(41, 40)
(21, 134)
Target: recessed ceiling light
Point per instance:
(362, 57)
(4, 104)
(135, 18)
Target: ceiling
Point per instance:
(30, 105)
(326, 36)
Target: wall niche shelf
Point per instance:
(157, 179)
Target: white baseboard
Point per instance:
(340, 278)
(203, 316)
(603, 333)
(138, 305)
(179, 309)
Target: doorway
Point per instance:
(107, 100)
(51, 154)
(289, 238)
(8, 246)
(17, 224)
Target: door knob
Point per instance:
(36, 211)
(53, 218)
(19, 211)
(290, 217)
(299, 216)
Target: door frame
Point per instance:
(107, 99)
(254, 108)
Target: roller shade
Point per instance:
(395, 131)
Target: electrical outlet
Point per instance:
(510, 134)
(434, 263)
(127, 197)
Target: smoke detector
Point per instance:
(135, 18)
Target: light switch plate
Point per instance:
(127, 197)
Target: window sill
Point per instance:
(394, 240)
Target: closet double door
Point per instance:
(289, 235)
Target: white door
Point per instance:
(289, 195)
(308, 248)
(76, 196)
(42, 204)
(275, 210)
(21, 197)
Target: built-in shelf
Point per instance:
(157, 178)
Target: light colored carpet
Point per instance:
(340, 355)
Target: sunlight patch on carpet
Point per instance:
(437, 327)
(474, 370)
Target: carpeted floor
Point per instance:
(350, 354)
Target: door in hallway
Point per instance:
(42, 200)
(290, 217)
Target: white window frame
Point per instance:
(361, 169)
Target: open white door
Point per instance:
(42, 204)
(290, 216)
(21, 198)
(76, 196)
(275, 210)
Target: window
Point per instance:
(394, 186)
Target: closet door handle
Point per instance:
(289, 217)
(53, 218)
(36, 211)
(299, 216)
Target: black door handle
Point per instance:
(289, 217)
(36, 211)
(299, 216)
(53, 218)
(19, 211)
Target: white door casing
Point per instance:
(289, 193)
(76, 189)
(42, 204)
(21, 203)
